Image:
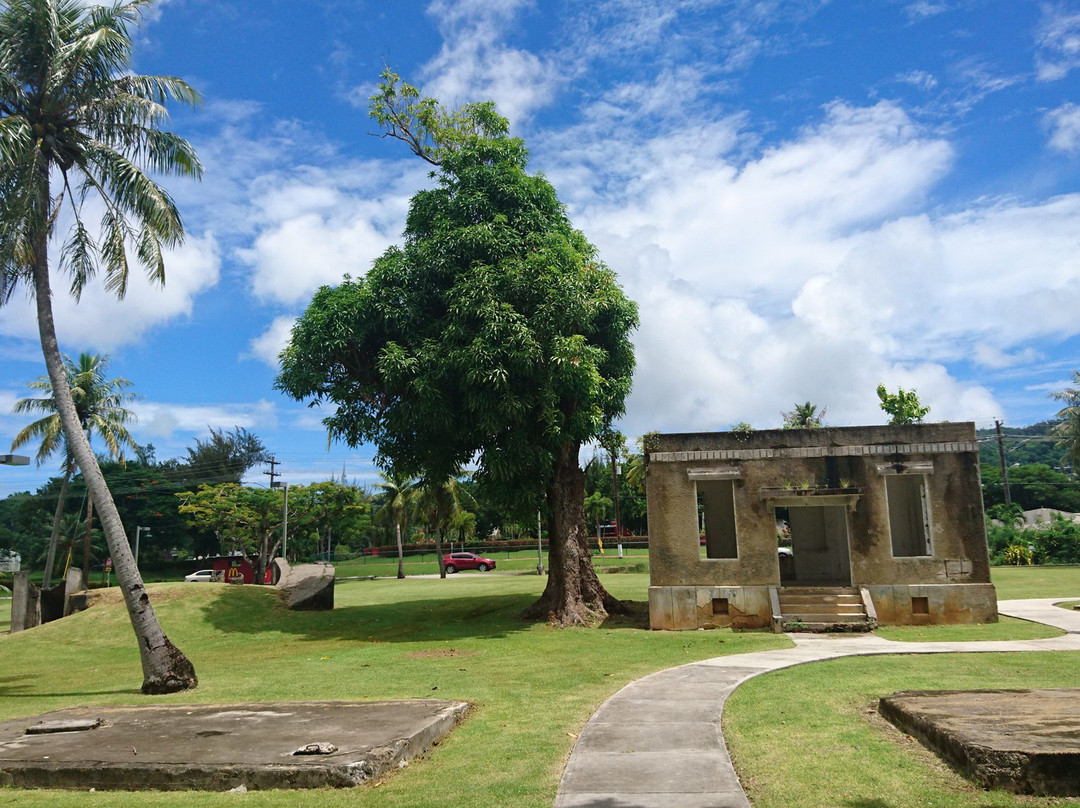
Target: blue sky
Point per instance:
(805, 198)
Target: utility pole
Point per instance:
(273, 470)
(1004, 468)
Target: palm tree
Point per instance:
(439, 503)
(397, 491)
(98, 402)
(71, 110)
(804, 416)
(1069, 427)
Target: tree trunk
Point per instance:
(400, 553)
(86, 542)
(165, 668)
(574, 594)
(54, 537)
(439, 553)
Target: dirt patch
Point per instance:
(440, 653)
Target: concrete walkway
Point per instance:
(657, 743)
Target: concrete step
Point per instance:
(826, 617)
(823, 608)
(824, 626)
(841, 599)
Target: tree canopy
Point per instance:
(494, 335)
(803, 416)
(903, 406)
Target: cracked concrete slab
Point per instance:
(218, 747)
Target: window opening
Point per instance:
(716, 504)
(909, 515)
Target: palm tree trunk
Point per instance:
(86, 543)
(165, 668)
(54, 537)
(439, 553)
(400, 553)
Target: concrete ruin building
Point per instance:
(886, 526)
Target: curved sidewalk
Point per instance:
(657, 743)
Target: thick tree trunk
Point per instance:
(54, 537)
(165, 668)
(574, 594)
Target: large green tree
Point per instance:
(99, 404)
(494, 334)
(71, 111)
(225, 456)
(244, 519)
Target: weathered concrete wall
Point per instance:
(681, 607)
(897, 604)
(844, 468)
(25, 608)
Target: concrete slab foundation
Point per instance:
(1023, 741)
(215, 747)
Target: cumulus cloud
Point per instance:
(269, 345)
(100, 322)
(163, 420)
(809, 271)
(1063, 125)
(476, 64)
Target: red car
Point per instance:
(467, 561)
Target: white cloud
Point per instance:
(268, 345)
(100, 322)
(312, 226)
(475, 63)
(924, 9)
(1058, 42)
(165, 420)
(806, 272)
(918, 78)
(1063, 124)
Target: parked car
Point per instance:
(467, 561)
(204, 576)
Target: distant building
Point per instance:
(885, 522)
(10, 561)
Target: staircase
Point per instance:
(823, 608)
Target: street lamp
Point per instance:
(138, 532)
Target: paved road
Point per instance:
(657, 743)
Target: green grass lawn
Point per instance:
(533, 687)
(810, 736)
(1014, 583)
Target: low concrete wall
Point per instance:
(675, 608)
(898, 604)
(686, 608)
